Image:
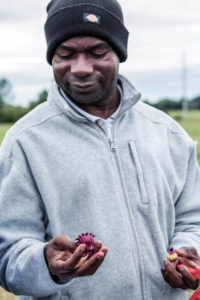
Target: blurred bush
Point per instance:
(168, 104)
(10, 113)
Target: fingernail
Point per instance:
(104, 251)
(165, 262)
(181, 269)
(82, 248)
(99, 257)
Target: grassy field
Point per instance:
(6, 296)
(3, 128)
(191, 125)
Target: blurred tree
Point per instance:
(195, 103)
(167, 104)
(10, 113)
(42, 98)
(5, 90)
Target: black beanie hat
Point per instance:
(98, 18)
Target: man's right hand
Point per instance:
(66, 260)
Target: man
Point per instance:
(95, 159)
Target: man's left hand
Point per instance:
(181, 278)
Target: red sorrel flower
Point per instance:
(171, 254)
(88, 240)
(171, 251)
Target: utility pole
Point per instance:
(184, 87)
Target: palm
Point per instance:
(62, 255)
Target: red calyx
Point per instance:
(171, 251)
(88, 240)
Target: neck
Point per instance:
(105, 108)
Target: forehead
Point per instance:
(84, 42)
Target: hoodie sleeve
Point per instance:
(23, 269)
(187, 208)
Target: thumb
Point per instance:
(65, 243)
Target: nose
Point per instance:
(81, 66)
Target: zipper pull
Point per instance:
(112, 146)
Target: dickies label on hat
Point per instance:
(91, 18)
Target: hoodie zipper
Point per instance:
(112, 146)
(113, 149)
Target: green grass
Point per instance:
(6, 296)
(3, 129)
(190, 293)
(191, 126)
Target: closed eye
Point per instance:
(99, 55)
(65, 56)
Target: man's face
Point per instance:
(86, 69)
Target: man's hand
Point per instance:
(189, 257)
(67, 261)
(181, 278)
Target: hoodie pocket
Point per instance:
(139, 171)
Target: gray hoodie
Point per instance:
(139, 194)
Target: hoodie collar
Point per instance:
(130, 97)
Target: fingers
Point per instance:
(98, 246)
(183, 254)
(58, 266)
(172, 277)
(189, 257)
(190, 250)
(74, 259)
(187, 277)
(180, 253)
(187, 252)
(88, 267)
(93, 270)
(174, 263)
(91, 266)
(166, 277)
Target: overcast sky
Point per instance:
(160, 31)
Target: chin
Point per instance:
(86, 98)
(84, 101)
